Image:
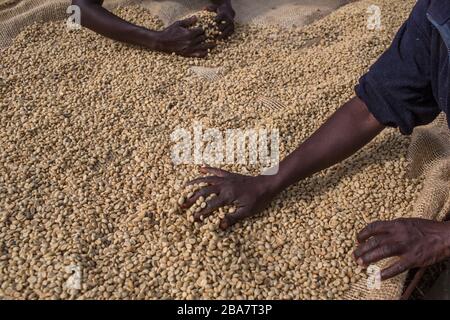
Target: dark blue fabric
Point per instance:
(408, 85)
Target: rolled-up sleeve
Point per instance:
(397, 88)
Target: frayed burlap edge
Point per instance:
(25, 12)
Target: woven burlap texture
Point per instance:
(16, 14)
(429, 152)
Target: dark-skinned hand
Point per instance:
(178, 38)
(249, 194)
(225, 18)
(416, 242)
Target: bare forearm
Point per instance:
(100, 20)
(349, 129)
(218, 2)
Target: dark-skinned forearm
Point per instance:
(218, 2)
(349, 129)
(100, 20)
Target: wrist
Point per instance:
(271, 184)
(147, 38)
(225, 4)
(220, 2)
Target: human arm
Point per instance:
(350, 128)
(177, 38)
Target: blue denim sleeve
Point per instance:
(397, 88)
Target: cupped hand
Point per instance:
(225, 18)
(178, 38)
(250, 195)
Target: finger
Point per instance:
(204, 192)
(214, 171)
(378, 254)
(369, 245)
(394, 270)
(197, 32)
(187, 22)
(373, 229)
(223, 25)
(211, 206)
(209, 180)
(227, 32)
(221, 17)
(204, 46)
(195, 54)
(232, 218)
(199, 54)
(212, 8)
(199, 39)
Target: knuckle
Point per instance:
(407, 260)
(374, 242)
(203, 192)
(400, 267)
(365, 259)
(227, 192)
(384, 251)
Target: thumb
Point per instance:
(186, 23)
(232, 218)
(211, 7)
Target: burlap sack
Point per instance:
(430, 156)
(430, 148)
(16, 14)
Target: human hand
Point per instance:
(417, 243)
(249, 194)
(178, 38)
